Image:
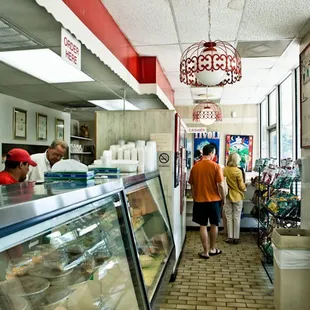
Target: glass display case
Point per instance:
(72, 251)
(152, 230)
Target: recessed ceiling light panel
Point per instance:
(44, 65)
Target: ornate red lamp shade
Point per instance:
(207, 113)
(210, 64)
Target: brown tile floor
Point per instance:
(233, 280)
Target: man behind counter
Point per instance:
(45, 161)
(16, 166)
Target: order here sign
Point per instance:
(70, 49)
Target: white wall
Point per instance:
(7, 103)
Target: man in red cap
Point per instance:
(16, 166)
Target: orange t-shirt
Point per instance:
(205, 176)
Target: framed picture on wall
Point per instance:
(20, 123)
(305, 97)
(41, 127)
(202, 139)
(243, 145)
(60, 129)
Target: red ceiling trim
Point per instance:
(163, 82)
(96, 18)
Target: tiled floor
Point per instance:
(233, 280)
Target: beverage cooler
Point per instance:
(75, 246)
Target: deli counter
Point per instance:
(84, 246)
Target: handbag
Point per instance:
(225, 187)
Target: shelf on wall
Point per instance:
(80, 138)
(81, 153)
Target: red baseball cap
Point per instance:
(21, 156)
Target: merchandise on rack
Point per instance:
(276, 200)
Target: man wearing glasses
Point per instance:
(45, 161)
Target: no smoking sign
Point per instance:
(164, 158)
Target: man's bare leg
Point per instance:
(213, 236)
(204, 240)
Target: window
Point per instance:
(272, 108)
(297, 113)
(286, 118)
(264, 139)
(273, 143)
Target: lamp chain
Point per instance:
(209, 17)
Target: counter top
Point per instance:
(24, 201)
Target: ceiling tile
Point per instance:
(192, 20)
(230, 101)
(144, 22)
(258, 63)
(168, 55)
(251, 77)
(237, 92)
(273, 20)
(262, 48)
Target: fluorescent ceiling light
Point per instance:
(114, 105)
(211, 93)
(44, 65)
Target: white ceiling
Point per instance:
(262, 28)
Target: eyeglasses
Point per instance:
(55, 154)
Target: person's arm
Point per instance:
(221, 189)
(191, 182)
(240, 183)
(192, 190)
(220, 184)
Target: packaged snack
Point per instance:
(88, 265)
(35, 256)
(56, 260)
(75, 248)
(19, 266)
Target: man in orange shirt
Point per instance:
(207, 185)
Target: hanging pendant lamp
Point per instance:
(210, 63)
(207, 113)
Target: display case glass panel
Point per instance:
(152, 230)
(82, 264)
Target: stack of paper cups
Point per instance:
(134, 154)
(121, 142)
(141, 159)
(151, 155)
(106, 158)
(120, 153)
(140, 144)
(131, 145)
(127, 154)
(148, 159)
(113, 149)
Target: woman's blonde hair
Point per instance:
(233, 160)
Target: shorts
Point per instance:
(207, 211)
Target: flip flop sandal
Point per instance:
(217, 252)
(203, 256)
